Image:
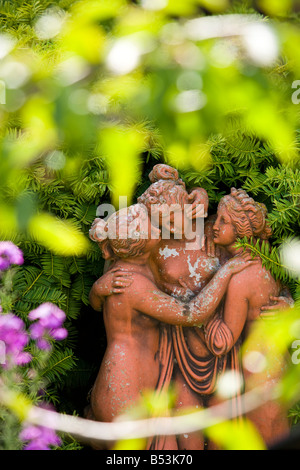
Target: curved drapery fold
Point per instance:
(200, 373)
(218, 337)
(166, 365)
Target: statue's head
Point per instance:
(240, 216)
(168, 191)
(166, 188)
(126, 234)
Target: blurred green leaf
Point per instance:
(215, 6)
(276, 7)
(9, 222)
(59, 236)
(121, 148)
(130, 444)
(233, 435)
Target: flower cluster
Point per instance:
(9, 254)
(39, 438)
(15, 338)
(48, 320)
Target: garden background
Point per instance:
(93, 94)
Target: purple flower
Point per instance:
(49, 315)
(15, 338)
(43, 344)
(49, 319)
(39, 438)
(59, 333)
(9, 254)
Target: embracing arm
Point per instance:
(148, 299)
(95, 299)
(110, 283)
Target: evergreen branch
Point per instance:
(28, 289)
(57, 363)
(269, 257)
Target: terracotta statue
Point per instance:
(183, 273)
(139, 353)
(248, 291)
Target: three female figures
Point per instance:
(177, 313)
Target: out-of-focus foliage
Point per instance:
(233, 435)
(93, 93)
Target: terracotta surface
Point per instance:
(178, 315)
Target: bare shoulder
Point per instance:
(252, 278)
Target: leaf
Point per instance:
(59, 363)
(59, 236)
(122, 147)
(45, 294)
(269, 256)
(130, 444)
(57, 267)
(232, 435)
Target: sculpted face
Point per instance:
(224, 231)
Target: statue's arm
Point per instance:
(95, 299)
(210, 247)
(112, 282)
(148, 299)
(208, 300)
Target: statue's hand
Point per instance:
(198, 204)
(120, 280)
(281, 303)
(114, 281)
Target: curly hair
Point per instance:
(122, 234)
(248, 216)
(168, 190)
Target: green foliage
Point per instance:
(232, 435)
(269, 256)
